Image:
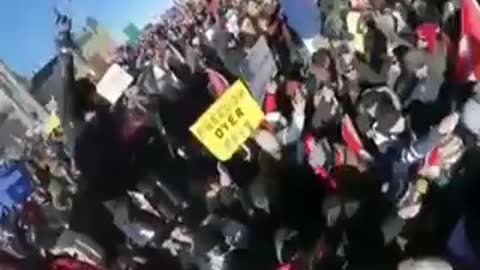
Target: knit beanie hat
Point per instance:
(387, 118)
(429, 32)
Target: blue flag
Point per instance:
(303, 16)
(15, 185)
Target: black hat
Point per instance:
(323, 114)
(320, 57)
(387, 118)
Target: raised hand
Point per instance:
(62, 22)
(448, 124)
(64, 26)
(299, 103)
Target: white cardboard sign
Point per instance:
(114, 83)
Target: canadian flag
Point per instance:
(468, 61)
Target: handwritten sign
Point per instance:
(51, 123)
(115, 81)
(358, 29)
(258, 68)
(229, 122)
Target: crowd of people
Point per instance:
(364, 159)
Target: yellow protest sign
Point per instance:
(229, 122)
(52, 122)
(357, 28)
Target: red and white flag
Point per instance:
(468, 61)
(352, 140)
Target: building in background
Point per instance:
(95, 46)
(45, 83)
(22, 102)
(19, 110)
(172, 15)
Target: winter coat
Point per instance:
(76, 244)
(426, 90)
(285, 132)
(57, 81)
(376, 48)
(45, 224)
(366, 75)
(399, 158)
(361, 221)
(469, 119)
(215, 240)
(102, 157)
(126, 219)
(11, 241)
(193, 58)
(436, 59)
(404, 86)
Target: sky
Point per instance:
(27, 26)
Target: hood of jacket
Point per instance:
(429, 32)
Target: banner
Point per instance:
(229, 122)
(115, 81)
(15, 186)
(258, 68)
(468, 58)
(303, 16)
